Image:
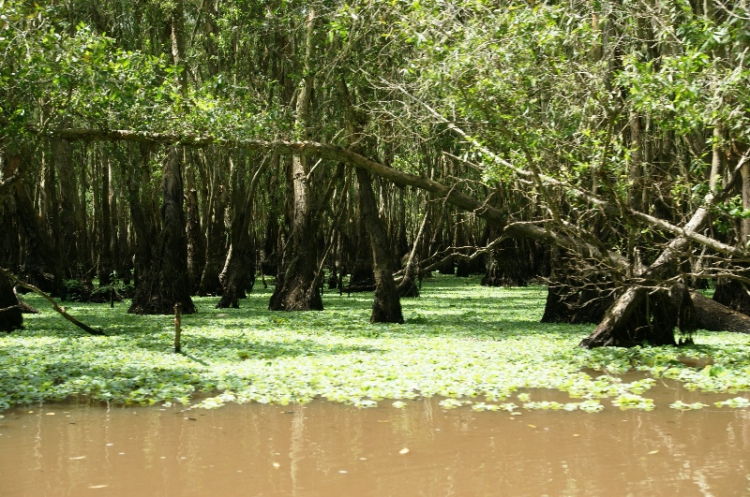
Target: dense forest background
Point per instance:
(189, 147)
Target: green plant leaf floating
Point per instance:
(460, 344)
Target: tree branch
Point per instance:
(88, 329)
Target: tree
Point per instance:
(297, 285)
(164, 277)
(615, 134)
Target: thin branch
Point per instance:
(88, 329)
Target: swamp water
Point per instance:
(327, 449)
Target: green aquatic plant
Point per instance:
(632, 401)
(736, 402)
(687, 407)
(468, 344)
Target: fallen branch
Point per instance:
(88, 329)
(25, 307)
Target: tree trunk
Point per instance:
(166, 284)
(63, 158)
(362, 277)
(215, 236)
(144, 229)
(105, 236)
(733, 294)
(573, 305)
(41, 265)
(10, 309)
(712, 316)
(297, 289)
(400, 245)
(196, 243)
(407, 287)
(623, 324)
(640, 317)
(125, 264)
(387, 307)
(239, 270)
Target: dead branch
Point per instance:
(88, 329)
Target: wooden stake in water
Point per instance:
(177, 330)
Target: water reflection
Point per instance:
(328, 449)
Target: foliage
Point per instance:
(474, 346)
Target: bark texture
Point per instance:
(11, 317)
(640, 317)
(733, 294)
(297, 288)
(386, 307)
(566, 304)
(712, 316)
(166, 283)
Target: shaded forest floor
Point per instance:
(469, 344)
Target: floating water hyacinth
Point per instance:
(463, 346)
(736, 402)
(453, 403)
(632, 401)
(544, 405)
(687, 407)
(591, 406)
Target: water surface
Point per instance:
(325, 449)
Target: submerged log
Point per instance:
(712, 316)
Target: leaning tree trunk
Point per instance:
(620, 325)
(166, 284)
(386, 307)
(641, 317)
(407, 287)
(712, 316)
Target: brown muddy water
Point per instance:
(326, 449)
